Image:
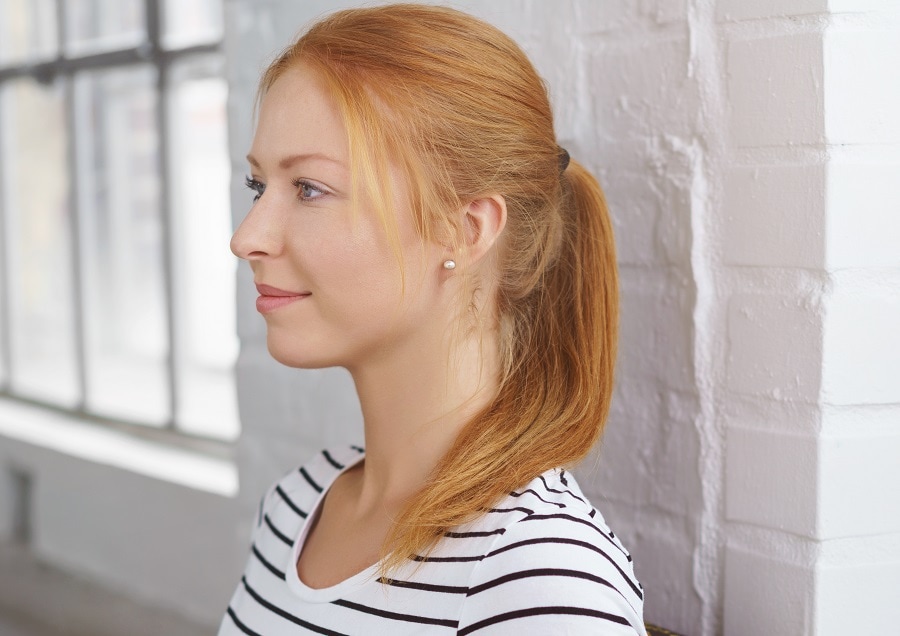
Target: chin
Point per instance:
(297, 355)
(297, 360)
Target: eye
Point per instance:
(308, 191)
(257, 186)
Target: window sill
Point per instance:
(104, 445)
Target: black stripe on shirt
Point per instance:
(525, 574)
(278, 533)
(583, 544)
(527, 511)
(456, 559)
(408, 618)
(582, 522)
(331, 460)
(529, 490)
(290, 503)
(283, 614)
(539, 611)
(271, 568)
(310, 480)
(425, 587)
(478, 533)
(241, 625)
(559, 492)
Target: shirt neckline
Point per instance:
(338, 590)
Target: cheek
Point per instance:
(359, 269)
(356, 267)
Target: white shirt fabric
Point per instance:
(543, 561)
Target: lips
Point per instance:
(272, 298)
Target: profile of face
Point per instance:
(330, 281)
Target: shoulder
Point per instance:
(553, 567)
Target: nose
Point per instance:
(257, 236)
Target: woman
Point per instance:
(415, 222)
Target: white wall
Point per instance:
(813, 406)
(161, 542)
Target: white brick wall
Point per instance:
(750, 151)
(842, 607)
(773, 346)
(810, 230)
(766, 595)
(772, 480)
(862, 340)
(862, 94)
(774, 90)
(863, 219)
(774, 216)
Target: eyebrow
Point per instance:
(290, 160)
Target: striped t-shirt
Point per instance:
(541, 562)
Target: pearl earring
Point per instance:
(449, 264)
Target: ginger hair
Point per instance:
(457, 106)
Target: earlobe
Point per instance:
(483, 222)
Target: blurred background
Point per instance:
(750, 152)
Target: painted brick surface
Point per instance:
(734, 10)
(775, 90)
(652, 348)
(863, 218)
(771, 480)
(677, 601)
(764, 595)
(774, 346)
(641, 84)
(775, 216)
(858, 599)
(862, 341)
(858, 482)
(862, 102)
(861, 6)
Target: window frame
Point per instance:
(63, 68)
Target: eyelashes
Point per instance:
(306, 190)
(256, 186)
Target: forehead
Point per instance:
(298, 115)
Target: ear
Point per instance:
(483, 222)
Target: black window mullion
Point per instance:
(5, 308)
(76, 225)
(173, 329)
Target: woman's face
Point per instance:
(329, 281)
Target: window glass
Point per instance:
(190, 22)
(205, 268)
(113, 300)
(122, 232)
(38, 250)
(99, 25)
(27, 31)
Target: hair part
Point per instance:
(457, 106)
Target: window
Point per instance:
(116, 283)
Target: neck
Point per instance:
(414, 405)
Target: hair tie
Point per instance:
(563, 158)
